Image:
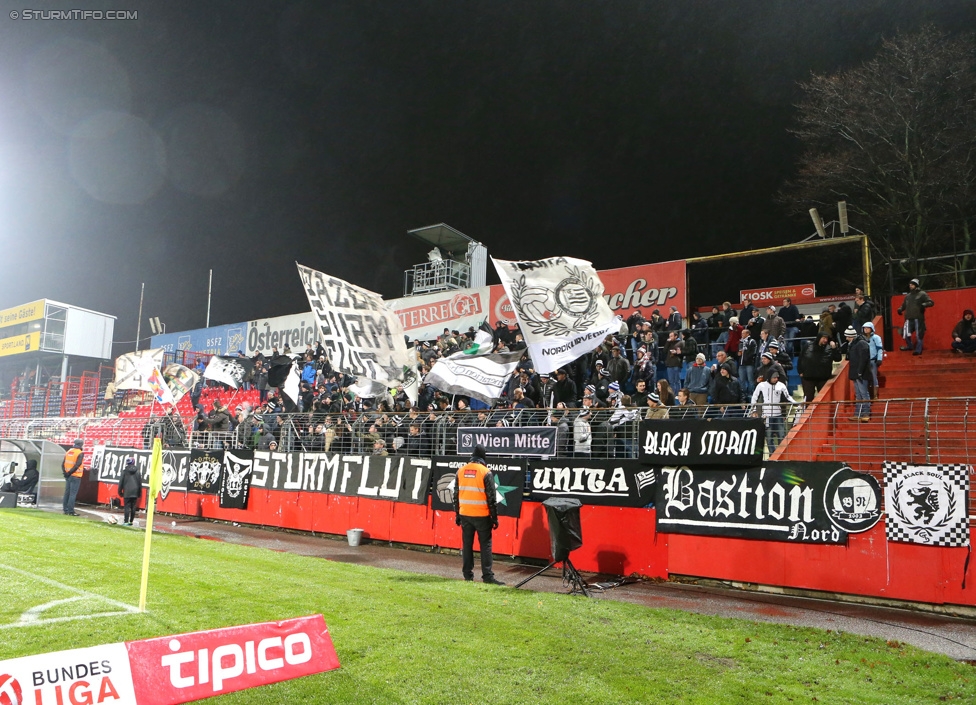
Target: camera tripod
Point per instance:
(571, 576)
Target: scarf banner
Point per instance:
(560, 309)
(777, 501)
(131, 369)
(147, 672)
(702, 442)
(108, 462)
(927, 504)
(509, 484)
(615, 483)
(480, 376)
(231, 371)
(394, 477)
(203, 474)
(235, 480)
(539, 441)
(364, 337)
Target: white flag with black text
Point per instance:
(480, 376)
(363, 336)
(559, 306)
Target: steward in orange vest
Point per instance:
(73, 469)
(475, 512)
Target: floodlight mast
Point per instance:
(842, 217)
(818, 223)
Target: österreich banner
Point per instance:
(777, 501)
(364, 337)
(172, 669)
(616, 483)
(396, 478)
(702, 442)
(509, 484)
(515, 441)
(559, 306)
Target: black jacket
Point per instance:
(27, 483)
(859, 359)
(130, 484)
(817, 362)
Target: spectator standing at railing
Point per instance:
(697, 380)
(755, 325)
(722, 358)
(665, 392)
(774, 323)
(639, 397)
(843, 317)
(748, 353)
(859, 372)
(725, 389)
(768, 365)
(260, 377)
(914, 305)
(655, 409)
(826, 323)
(618, 367)
(565, 389)
(772, 401)
(582, 436)
(863, 311)
(791, 317)
(644, 369)
(547, 391)
(108, 404)
(877, 354)
(675, 357)
(684, 406)
(734, 335)
(964, 334)
(816, 364)
(675, 321)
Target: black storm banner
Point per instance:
(617, 483)
(516, 441)
(698, 442)
(777, 501)
(509, 484)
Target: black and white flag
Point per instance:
(204, 471)
(363, 336)
(927, 504)
(559, 306)
(231, 371)
(235, 480)
(131, 369)
(480, 376)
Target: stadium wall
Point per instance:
(621, 541)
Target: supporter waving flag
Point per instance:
(560, 308)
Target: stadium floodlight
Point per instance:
(818, 223)
(157, 327)
(842, 216)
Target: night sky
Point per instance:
(243, 136)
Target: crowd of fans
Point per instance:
(729, 363)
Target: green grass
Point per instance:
(404, 638)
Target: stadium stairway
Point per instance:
(925, 414)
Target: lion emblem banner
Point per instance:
(927, 504)
(559, 305)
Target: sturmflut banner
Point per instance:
(617, 483)
(777, 501)
(363, 336)
(509, 484)
(560, 309)
(515, 441)
(702, 442)
(394, 478)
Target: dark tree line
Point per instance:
(896, 138)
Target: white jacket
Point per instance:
(771, 397)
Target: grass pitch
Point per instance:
(405, 638)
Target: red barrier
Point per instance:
(940, 319)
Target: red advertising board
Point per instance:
(798, 293)
(641, 288)
(172, 669)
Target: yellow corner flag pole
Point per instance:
(155, 485)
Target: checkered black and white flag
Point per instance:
(927, 504)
